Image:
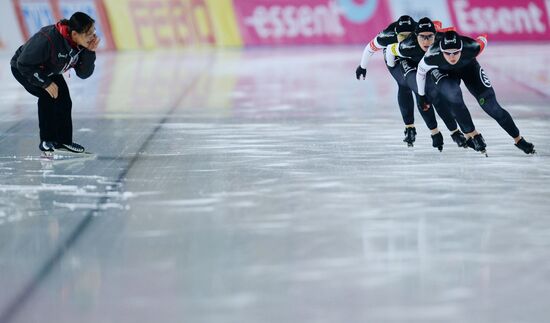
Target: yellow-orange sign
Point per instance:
(151, 24)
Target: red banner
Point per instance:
(289, 22)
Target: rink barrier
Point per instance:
(10, 33)
(290, 22)
(34, 14)
(155, 24)
(172, 23)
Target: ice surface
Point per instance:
(272, 186)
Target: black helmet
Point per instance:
(425, 25)
(451, 40)
(405, 24)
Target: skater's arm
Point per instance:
(421, 73)
(369, 50)
(394, 49)
(408, 48)
(32, 60)
(392, 52)
(482, 41)
(86, 64)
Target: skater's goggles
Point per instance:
(426, 37)
(452, 52)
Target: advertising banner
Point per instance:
(502, 20)
(10, 34)
(150, 24)
(35, 14)
(433, 9)
(290, 22)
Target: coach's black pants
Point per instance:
(54, 115)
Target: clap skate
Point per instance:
(459, 139)
(478, 144)
(410, 136)
(437, 141)
(526, 146)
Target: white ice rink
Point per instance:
(271, 186)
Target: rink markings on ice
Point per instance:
(20, 299)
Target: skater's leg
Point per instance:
(406, 105)
(443, 110)
(404, 95)
(46, 107)
(479, 85)
(409, 74)
(429, 115)
(447, 90)
(64, 124)
(46, 118)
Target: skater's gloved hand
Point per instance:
(94, 43)
(52, 90)
(360, 72)
(424, 103)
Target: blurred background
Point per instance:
(161, 24)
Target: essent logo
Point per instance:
(524, 17)
(358, 12)
(294, 21)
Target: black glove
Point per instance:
(423, 103)
(360, 71)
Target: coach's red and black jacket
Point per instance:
(51, 51)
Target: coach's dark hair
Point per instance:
(79, 22)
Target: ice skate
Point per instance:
(47, 148)
(437, 141)
(459, 139)
(410, 136)
(69, 151)
(526, 146)
(71, 148)
(479, 144)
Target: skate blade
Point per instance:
(484, 152)
(410, 144)
(67, 155)
(47, 155)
